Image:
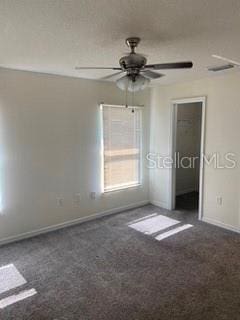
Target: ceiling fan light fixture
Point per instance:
(127, 83)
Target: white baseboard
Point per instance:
(220, 224)
(37, 232)
(160, 204)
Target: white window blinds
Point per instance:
(121, 147)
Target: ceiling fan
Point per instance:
(137, 72)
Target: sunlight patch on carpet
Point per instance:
(10, 278)
(172, 232)
(153, 224)
(143, 218)
(16, 298)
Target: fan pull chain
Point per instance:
(133, 101)
(126, 98)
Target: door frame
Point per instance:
(173, 133)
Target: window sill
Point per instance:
(122, 188)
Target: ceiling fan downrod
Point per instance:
(132, 43)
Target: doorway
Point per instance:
(187, 139)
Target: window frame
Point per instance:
(140, 167)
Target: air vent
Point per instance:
(221, 68)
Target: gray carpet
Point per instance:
(104, 270)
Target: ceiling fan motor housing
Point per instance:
(132, 61)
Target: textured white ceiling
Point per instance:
(56, 35)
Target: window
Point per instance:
(121, 147)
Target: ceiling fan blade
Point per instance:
(112, 76)
(98, 68)
(171, 65)
(151, 74)
(226, 59)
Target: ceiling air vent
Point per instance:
(221, 68)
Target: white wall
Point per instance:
(188, 143)
(50, 147)
(222, 135)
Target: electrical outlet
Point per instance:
(60, 202)
(93, 195)
(219, 200)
